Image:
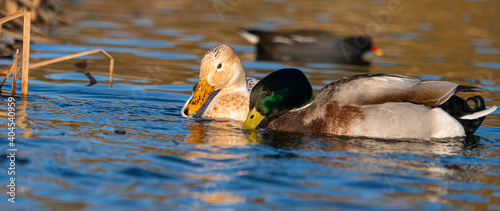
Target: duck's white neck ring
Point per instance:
(303, 107)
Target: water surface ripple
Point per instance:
(95, 148)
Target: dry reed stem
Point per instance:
(26, 49)
(72, 56)
(12, 16)
(9, 71)
(13, 68)
(14, 78)
(26, 53)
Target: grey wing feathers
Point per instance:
(381, 88)
(251, 82)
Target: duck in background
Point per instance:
(310, 46)
(222, 91)
(371, 105)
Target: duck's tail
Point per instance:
(249, 35)
(470, 118)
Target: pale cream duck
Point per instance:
(222, 91)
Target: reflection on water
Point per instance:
(396, 164)
(368, 146)
(21, 117)
(212, 139)
(93, 148)
(215, 133)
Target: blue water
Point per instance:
(128, 148)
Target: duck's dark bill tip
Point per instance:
(186, 111)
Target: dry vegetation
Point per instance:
(39, 17)
(45, 15)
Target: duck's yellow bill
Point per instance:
(203, 91)
(253, 119)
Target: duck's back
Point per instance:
(305, 46)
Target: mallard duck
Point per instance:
(222, 91)
(372, 105)
(309, 46)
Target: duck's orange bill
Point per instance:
(203, 91)
(376, 50)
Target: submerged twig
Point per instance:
(82, 66)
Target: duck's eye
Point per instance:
(267, 94)
(219, 66)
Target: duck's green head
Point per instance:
(276, 94)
